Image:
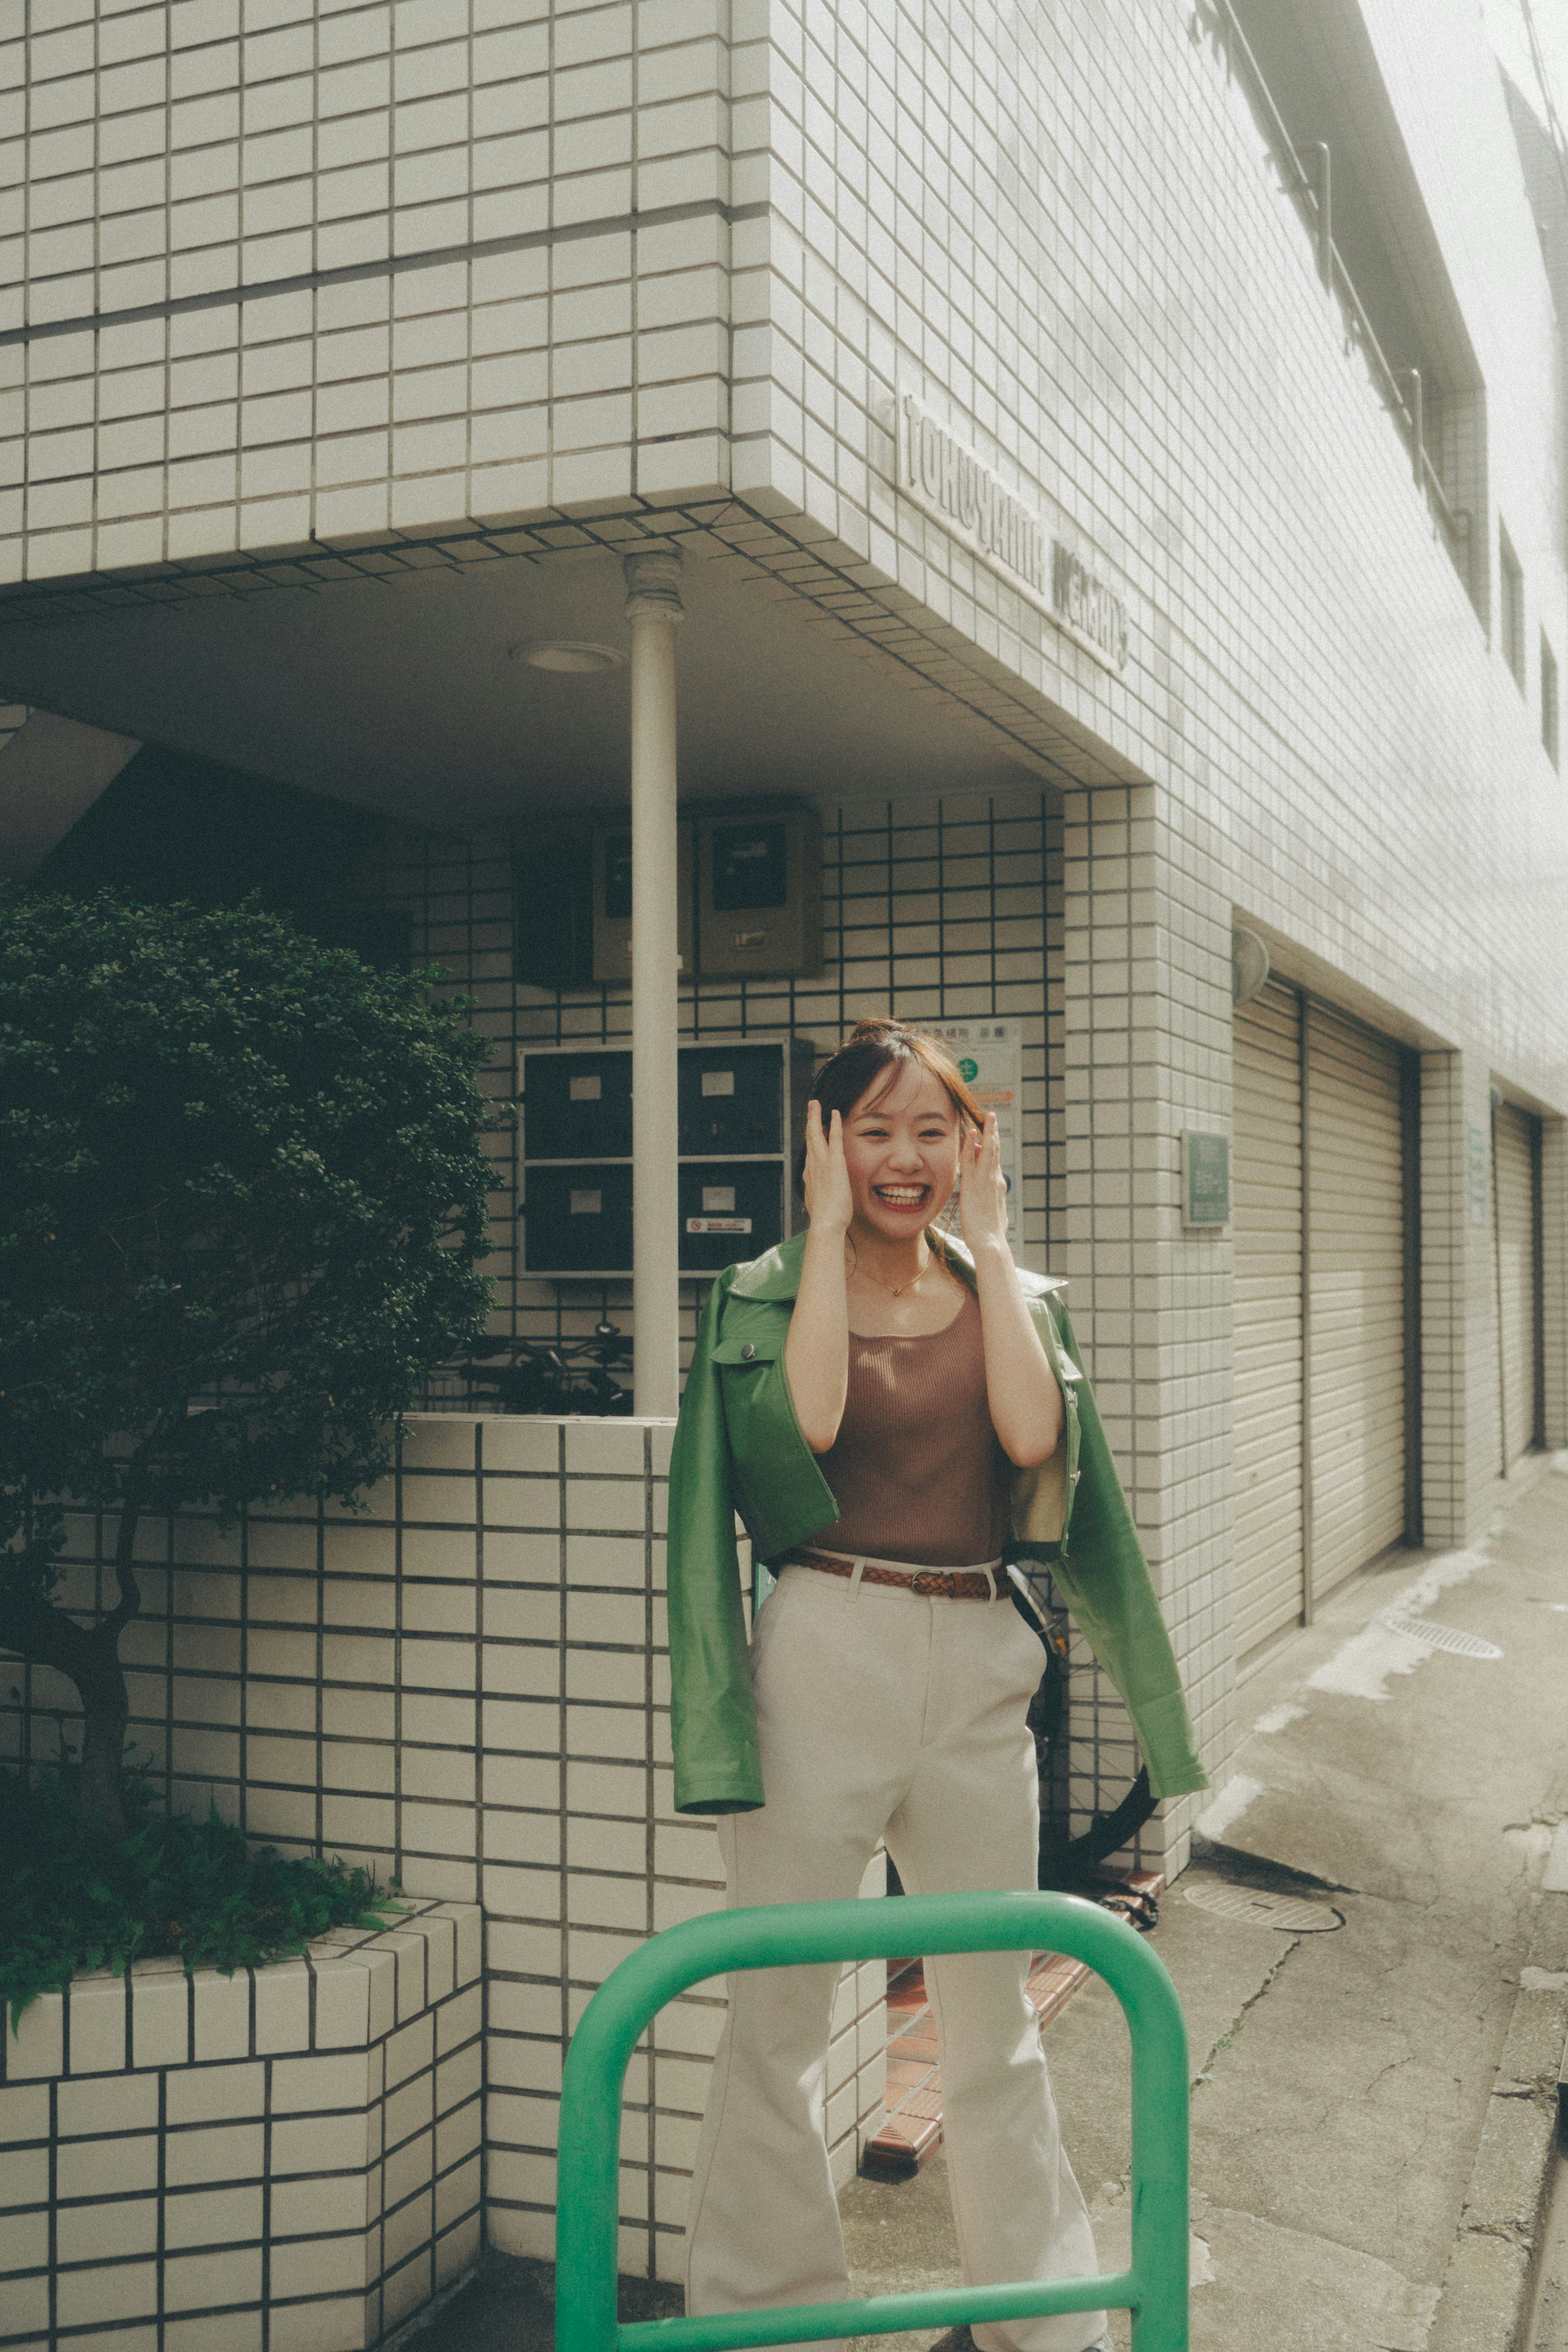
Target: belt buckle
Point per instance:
(928, 1581)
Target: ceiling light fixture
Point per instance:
(571, 653)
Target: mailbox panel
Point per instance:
(578, 1219)
(576, 1105)
(731, 1099)
(740, 1107)
(730, 1209)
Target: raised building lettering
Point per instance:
(942, 475)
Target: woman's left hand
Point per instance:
(982, 1190)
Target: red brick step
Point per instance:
(912, 2130)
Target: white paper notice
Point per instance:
(989, 1054)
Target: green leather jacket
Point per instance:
(738, 1447)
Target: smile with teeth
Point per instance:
(902, 1196)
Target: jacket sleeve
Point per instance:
(1104, 1580)
(712, 1722)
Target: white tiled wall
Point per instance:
(287, 2158)
(1145, 1052)
(938, 910)
(521, 274)
(485, 243)
(932, 909)
(467, 1686)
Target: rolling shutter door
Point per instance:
(1266, 1227)
(1356, 1335)
(1514, 1159)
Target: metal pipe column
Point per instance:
(654, 610)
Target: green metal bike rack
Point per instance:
(1153, 2288)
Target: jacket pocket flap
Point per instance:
(762, 1348)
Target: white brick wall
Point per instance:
(287, 2157)
(486, 242)
(526, 276)
(937, 906)
(467, 1688)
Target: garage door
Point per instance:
(1266, 1227)
(1516, 1163)
(1356, 1335)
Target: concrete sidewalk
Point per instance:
(1374, 2101)
(1373, 2106)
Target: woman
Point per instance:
(895, 1417)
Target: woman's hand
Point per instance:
(829, 1203)
(1020, 1388)
(982, 1191)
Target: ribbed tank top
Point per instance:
(915, 1469)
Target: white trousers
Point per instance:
(881, 1713)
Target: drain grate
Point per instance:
(1443, 1637)
(1293, 1915)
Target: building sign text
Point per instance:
(951, 485)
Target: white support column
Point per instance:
(653, 608)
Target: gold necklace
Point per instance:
(898, 1289)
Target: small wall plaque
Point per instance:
(1479, 1176)
(1204, 1179)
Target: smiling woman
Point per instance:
(904, 1134)
(898, 1415)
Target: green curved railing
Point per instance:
(1154, 2286)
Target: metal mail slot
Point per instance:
(731, 1099)
(712, 1237)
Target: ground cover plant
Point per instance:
(74, 1895)
(242, 1207)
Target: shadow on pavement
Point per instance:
(509, 2306)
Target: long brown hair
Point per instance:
(885, 1045)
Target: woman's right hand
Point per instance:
(829, 1203)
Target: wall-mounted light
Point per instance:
(1249, 965)
(570, 653)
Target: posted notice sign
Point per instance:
(1204, 1179)
(989, 1054)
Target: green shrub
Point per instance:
(242, 1211)
(76, 1896)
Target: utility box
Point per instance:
(613, 901)
(579, 1218)
(578, 1103)
(730, 1099)
(552, 903)
(742, 1110)
(759, 893)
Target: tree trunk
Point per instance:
(101, 1679)
(106, 1710)
(29, 1626)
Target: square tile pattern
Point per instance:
(523, 282)
(288, 2158)
(467, 1688)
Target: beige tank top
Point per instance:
(916, 1470)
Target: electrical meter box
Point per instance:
(759, 892)
(741, 1112)
(613, 901)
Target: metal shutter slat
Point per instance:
(1265, 1226)
(1356, 1339)
(1518, 1276)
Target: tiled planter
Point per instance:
(283, 2160)
(467, 1688)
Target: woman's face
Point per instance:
(901, 1148)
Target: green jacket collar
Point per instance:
(776, 1275)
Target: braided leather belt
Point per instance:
(926, 1583)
